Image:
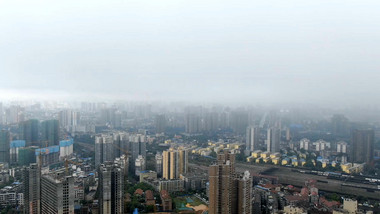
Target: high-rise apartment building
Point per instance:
(341, 147)
(15, 145)
(362, 145)
(4, 146)
(14, 114)
(305, 144)
(174, 163)
(69, 118)
(29, 131)
(160, 123)
(57, 194)
(239, 121)
(32, 189)
(252, 138)
(210, 121)
(138, 146)
(111, 187)
(222, 189)
(140, 165)
(192, 123)
(228, 192)
(121, 142)
(104, 150)
(159, 161)
(50, 133)
(273, 139)
(245, 193)
(340, 125)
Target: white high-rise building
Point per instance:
(139, 165)
(252, 138)
(341, 147)
(273, 140)
(304, 144)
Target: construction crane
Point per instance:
(118, 147)
(67, 161)
(40, 154)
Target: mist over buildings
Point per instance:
(246, 52)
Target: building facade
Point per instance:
(252, 138)
(111, 187)
(362, 146)
(174, 163)
(32, 189)
(57, 194)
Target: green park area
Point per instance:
(192, 203)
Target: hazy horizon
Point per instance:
(321, 52)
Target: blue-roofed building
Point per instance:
(49, 155)
(14, 147)
(66, 148)
(17, 143)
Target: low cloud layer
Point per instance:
(224, 51)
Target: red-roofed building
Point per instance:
(166, 200)
(305, 191)
(329, 204)
(149, 199)
(139, 192)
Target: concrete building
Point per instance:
(273, 139)
(229, 192)
(66, 149)
(174, 163)
(222, 197)
(121, 142)
(160, 123)
(26, 155)
(159, 161)
(174, 185)
(4, 146)
(362, 146)
(321, 145)
(245, 194)
(50, 133)
(305, 144)
(140, 165)
(69, 119)
(32, 189)
(350, 205)
(138, 146)
(14, 150)
(111, 187)
(148, 174)
(29, 131)
(192, 123)
(252, 138)
(104, 150)
(57, 194)
(47, 156)
(341, 147)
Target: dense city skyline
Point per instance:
(196, 107)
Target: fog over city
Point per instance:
(196, 107)
(274, 51)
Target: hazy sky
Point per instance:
(209, 50)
